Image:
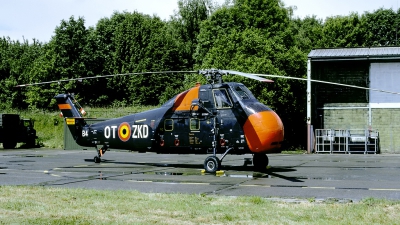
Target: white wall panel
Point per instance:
(384, 76)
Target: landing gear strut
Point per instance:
(260, 161)
(100, 153)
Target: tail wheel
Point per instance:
(260, 161)
(212, 164)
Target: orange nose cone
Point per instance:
(263, 131)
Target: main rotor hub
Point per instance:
(213, 76)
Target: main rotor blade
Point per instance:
(103, 76)
(248, 75)
(327, 82)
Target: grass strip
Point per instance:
(44, 205)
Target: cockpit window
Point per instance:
(243, 92)
(221, 99)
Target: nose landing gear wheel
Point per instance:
(97, 159)
(212, 164)
(260, 161)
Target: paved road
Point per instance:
(323, 176)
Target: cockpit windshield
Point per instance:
(221, 99)
(243, 92)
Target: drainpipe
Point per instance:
(309, 138)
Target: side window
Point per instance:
(194, 124)
(221, 99)
(168, 125)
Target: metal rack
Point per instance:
(346, 141)
(324, 140)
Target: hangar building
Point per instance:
(345, 118)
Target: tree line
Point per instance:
(255, 36)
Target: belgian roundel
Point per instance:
(124, 131)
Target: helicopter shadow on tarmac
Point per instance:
(268, 173)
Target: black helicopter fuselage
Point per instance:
(205, 119)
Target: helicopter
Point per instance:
(214, 118)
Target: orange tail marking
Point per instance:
(64, 106)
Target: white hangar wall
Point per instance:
(384, 76)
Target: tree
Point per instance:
(69, 44)
(342, 31)
(307, 33)
(130, 43)
(64, 57)
(185, 26)
(16, 67)
(41, 97)
(255, 36)
(380, 27)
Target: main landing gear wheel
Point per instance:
(212, 164)
(260, 161)
(97, 159)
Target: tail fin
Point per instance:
(69, 106)
(72, 112)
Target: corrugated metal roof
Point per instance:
(345, 53)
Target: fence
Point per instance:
(346, 141)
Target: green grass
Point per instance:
(41, 205)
